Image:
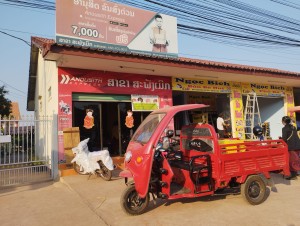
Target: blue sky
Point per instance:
(25, 23)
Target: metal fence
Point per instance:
(25, 156)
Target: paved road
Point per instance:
(80, 200)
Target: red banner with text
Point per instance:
(72, 80)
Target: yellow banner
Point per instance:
(289, 102)
(263, 90)
(236, 107)
(183, 84)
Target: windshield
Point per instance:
(147, 128)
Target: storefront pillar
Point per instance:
(236, 111)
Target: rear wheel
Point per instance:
(131, 203)
(104, 172)
(78, 169)
(254, 190)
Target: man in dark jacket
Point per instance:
(290, 136)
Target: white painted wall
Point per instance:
(46, 105)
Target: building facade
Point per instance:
(65, 81)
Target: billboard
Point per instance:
(99, 24)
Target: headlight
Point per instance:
(128, 156)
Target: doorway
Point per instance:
(271, 111)
(110, 131)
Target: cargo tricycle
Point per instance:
(195, 163)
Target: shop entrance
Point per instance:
(271, 112)
(218, 103)
(109, 131)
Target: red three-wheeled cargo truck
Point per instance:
(195, 164)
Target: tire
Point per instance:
(104, 173)
(77, 169)
(254, 190)
(131, 203)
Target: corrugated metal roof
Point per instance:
(45, 44)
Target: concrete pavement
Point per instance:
(45, 204)
(83, 200)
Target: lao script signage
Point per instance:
(100, 24)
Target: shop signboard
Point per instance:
(197, 85)
(71, 80)
(144, 102)
(202, 98)
(264, 90)
(100, 24)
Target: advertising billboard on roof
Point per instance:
(100, 24)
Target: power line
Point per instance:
(227, 22)
(287, 3)
(26, 9)
(15, 37)
(223, 21)
(12, 87)
(25, 32)
(45, 5)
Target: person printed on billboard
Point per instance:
(158, 36)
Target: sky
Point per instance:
(24, 23)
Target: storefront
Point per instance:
(230, 99)
(104, 63)
(109, 95)
(112, 83)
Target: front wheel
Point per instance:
(254, 190)
(131, 203)
(104, 173)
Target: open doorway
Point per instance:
(271, 110)
(109, 124)
(217, 102)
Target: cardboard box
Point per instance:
(71, 140)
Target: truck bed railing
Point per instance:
(246, 146)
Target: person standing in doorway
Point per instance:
(220, 125)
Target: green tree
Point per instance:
(5, 103)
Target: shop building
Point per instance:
(64, 81)
(105, 62)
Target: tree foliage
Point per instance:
(5, 103)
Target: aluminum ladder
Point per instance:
(251, 115)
